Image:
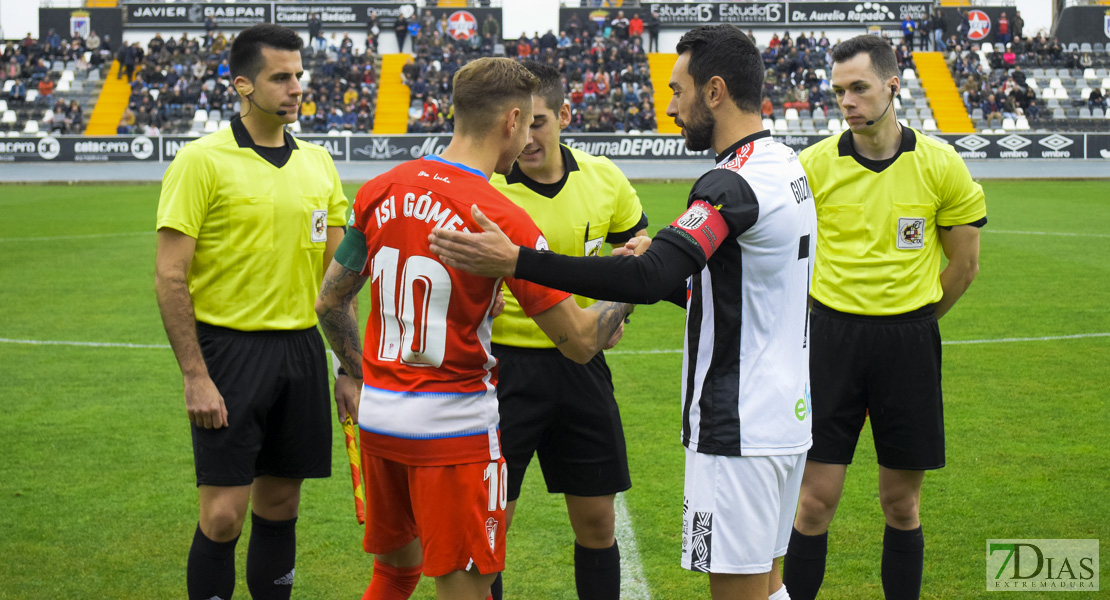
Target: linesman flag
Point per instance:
(356, 469)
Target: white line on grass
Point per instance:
(85, 344)
(633, 585)
(1047, 338)
(1097, 235)
(50, 238)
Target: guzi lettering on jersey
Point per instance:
(800, 187)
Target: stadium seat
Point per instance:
(908, 75)
(67, 75)
(791, 114)
(1008, 124)
(57, 66)
(897, 104)
(911, 113)
(3, 106)
(1058, 113)
(1105, 83)
(14, 133)
(768, 124)
(1055, 83)
(925, 113)
(921, 102)
(8, 85)
(94, 75)
(200, 115)
(1089, 73)
(1085, 47)
(224, 123)
(1022, 124)
(1073, 47)
(1049, 72)
(1098, 113)
(63, 86)
(295, 127)
(32, 95)
(211, 126)
(348, 132)
(32, 127)
(818, 113)
(1032, 82)
(333, 133)
(976, 114)
(214, 115)
(905, 93)
(9, 118)
(916, 124)
(986, 47)
(1084, 112)
(76, 86)
(781, 125)
(821, 74)
(1037, 72)
(904, 122)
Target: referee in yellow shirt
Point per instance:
(550, 406)
(247, 220)
(889, 201)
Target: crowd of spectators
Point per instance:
(180, 76)
(604, 69)
(31, 64)
(997, 83)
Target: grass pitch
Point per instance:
(96, 481)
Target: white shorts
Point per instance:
(737, 511)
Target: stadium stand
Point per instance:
(1033, 84)
(48, 84)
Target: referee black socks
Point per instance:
(803, 568)
(210, 572)
(597, 572)
(271, 557)
(903, 563)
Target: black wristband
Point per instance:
(340, 371)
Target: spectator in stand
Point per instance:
(1096, 100)
(350, 119)
(1003, 33)
(992, 111)
(1033, 112)
(46, 91)
(636, 27)
(653, 32)
(1018, 25)
(74, 118)
(1009, 108)
(308, 109)
(210, 27)
(335, 119)
(767, 109)
(18, 93)
(620, 27)
(363, 121)
(491, 31)
(401, 31)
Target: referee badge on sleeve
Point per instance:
(911, 233)
(319, 232)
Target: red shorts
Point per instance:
(457, 511)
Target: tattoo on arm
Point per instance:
(340, 322)
(609, 318)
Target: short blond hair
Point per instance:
(486, 87)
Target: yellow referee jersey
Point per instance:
(576, 215)
(877, 246)
(261, 228)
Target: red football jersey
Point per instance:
(429, 395)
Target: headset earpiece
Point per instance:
(893, 90)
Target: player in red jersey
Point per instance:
(428, 419)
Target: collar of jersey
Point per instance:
(733, 148)
(548, 190)
(244, 139)
(845, 147)
(456, 165)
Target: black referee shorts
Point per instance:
(566, 414)
(887, 368)
(275, 387)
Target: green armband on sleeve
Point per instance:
(351, 252)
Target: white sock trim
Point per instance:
(782, 594)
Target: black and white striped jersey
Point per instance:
(751, 223)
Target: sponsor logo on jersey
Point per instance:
(911, 233)
(742, 156)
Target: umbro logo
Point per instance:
(1014, 142)
(972, 142)
(1056, 142)
(286, 579)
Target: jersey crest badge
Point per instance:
(911, 233)
(593, 247)
(319, 232)
(491, 532)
